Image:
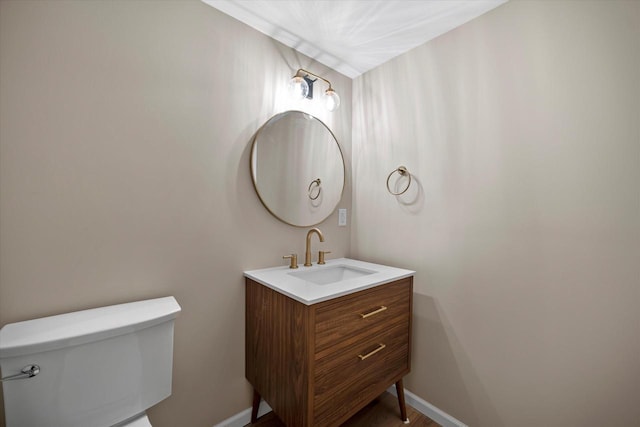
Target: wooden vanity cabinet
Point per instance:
(317, 365)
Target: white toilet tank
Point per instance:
(97, 368)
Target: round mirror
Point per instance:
(297, 168)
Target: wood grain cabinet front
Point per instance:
(317, 365)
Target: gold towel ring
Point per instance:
(310, 189)
(403, 172)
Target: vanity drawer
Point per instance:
(360, 315)
(344, 380)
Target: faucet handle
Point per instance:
(294, 260)
(321, 256)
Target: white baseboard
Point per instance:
(243, 418)
(426, 408)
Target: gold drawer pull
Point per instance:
(380, 347)
(380, 310)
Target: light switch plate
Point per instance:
(342, 217)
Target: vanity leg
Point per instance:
(255, 406)
(403, 406)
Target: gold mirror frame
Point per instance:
(297, 168)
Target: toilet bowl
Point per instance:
(137, 421)
(102, 367)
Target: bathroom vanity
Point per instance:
(324, 341)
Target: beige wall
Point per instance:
(125, 130)
(522, 131)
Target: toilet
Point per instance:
(102, 367)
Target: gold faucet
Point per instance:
(321, 255)
(294, 260)
(307, 254)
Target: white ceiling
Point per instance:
(354, 36)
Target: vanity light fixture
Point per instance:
(301, 86)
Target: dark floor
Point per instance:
(382, 412)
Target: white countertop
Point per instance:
(279, 279)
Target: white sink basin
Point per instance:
(331, 274)
(337, 277)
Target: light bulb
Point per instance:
(298, 87)
(332, 100)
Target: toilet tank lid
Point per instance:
(79, 327)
